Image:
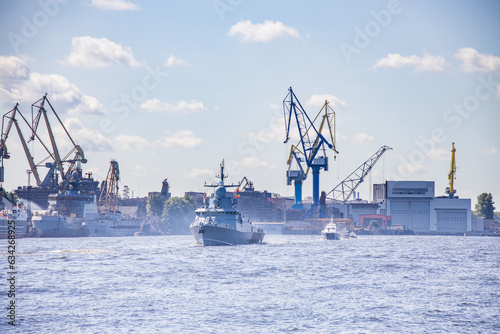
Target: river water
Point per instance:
(289, 284)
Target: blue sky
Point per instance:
(170, 88)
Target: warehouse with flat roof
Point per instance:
(414, 205)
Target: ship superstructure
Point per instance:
(219, 223)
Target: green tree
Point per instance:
(11, 197)
(484, 207)
(374, 224)
(178, 213)
(154, 205)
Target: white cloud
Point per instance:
(114, 5)
(439, 154)
(140, 170)
(173, 61)
(92, 52)
(341, 136)
(498, 91)
(199, 173)
(262, 32)
(254, 163)
(155, 105)
(492, 151)
(362, 138)
(13, 68)
(183, 138)
(87, 105)
(131, 143)
(88, 139)
(473, 61)
(275, 132)
(318, 100)
(426, 63)
(21, 85)
(408, 169)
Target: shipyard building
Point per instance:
(412, 204)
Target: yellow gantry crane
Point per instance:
(451, 175)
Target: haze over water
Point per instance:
(299, 284)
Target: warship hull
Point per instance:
(57, 227)
(211, 235)
(111, 226)
(18, 227)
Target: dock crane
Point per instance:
(108, 200)
(9, 119)
(346, 188)
(311, 141)
(298, 175)
(56, 178)
(452, 174)
(38, 110)
(247, 184)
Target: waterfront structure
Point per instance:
(382, 221)
(414, 205)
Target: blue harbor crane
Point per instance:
(312, 142)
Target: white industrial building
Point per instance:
(413, 204)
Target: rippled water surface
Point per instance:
(298, 284)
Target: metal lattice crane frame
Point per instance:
(344, 190)
(9, 119)
(39, 112)
(293, 109)
(108, 200)
(312, 142)
(452, 174)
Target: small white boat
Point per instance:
(330, 232)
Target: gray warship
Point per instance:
(218, 222)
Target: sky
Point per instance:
(171, 88)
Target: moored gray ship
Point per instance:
(13, 222)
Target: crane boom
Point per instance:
(298, 175)
(452, 174)
(247, 186)
(310, 148)
(345, 189)
(292, 108)
(108, 200)
(39, 108)
(11, 116)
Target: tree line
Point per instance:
(176, 213)
(484, 207)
